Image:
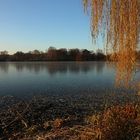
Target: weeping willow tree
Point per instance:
(119, 22)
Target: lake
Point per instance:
(56, 78)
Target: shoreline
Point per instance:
(45, 114)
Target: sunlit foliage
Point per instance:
(119, 23)
(116, 123)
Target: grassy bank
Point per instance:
(105, 117)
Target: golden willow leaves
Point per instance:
(119, 22)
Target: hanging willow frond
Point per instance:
(119, 21)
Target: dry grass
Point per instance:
(115, 123)
(118, 120)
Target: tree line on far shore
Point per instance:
(53, 54)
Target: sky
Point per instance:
(38, 24)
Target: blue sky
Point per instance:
(37, 24)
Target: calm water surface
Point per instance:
(31, 78)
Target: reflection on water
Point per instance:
(54, 67)
(4, 67)
(24, 78)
